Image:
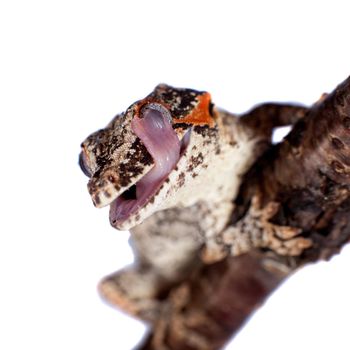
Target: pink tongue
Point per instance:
(161, 141)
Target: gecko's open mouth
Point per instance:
(157, 134)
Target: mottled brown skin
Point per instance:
(194, 218)
(301, 184)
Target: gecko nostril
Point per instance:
(111, 178)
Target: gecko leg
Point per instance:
(162, 261)
(134, 290)
(265, 117)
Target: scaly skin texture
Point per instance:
(295, 200)
(188, 222)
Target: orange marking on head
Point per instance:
(200, 115)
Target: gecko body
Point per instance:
(170, 168)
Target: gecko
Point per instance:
(170, 168)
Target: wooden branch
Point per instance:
(299, 192)
(308, 175)
(206, 311)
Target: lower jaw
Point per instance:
(121, 209)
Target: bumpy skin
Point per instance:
(297, 194)
(186, 223)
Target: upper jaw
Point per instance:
(105, 188)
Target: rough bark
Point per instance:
(302, 183)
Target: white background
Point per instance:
(67, 67)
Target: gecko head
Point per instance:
(141, 160)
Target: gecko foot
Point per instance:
(134, 291)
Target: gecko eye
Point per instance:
(156, 111)
(82, 163)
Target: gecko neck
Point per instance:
(226, 159)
